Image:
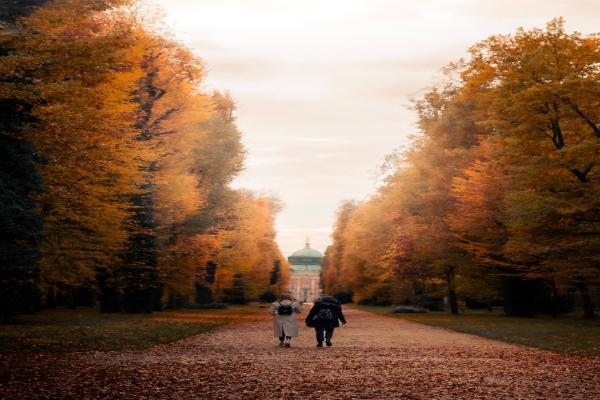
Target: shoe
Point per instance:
(287, 345)
(281, 344)
(328, 343)
(320, 344)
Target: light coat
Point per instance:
(285, 325)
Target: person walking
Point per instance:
(325, 316)
(284, 312)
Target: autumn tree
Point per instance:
(126, 165)
(332, 260)
(193, 200)
(542, 111)
(498, 197)
(74, 97)
(248, 253)
(20, 222)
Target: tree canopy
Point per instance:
(117, 168)
(498, 199)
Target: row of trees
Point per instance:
(499, 198)
(114, 168)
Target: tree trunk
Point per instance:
(452, 300)
(171, 299)
(71, 297)
(555, 300)
(588, 306)
(203, 294)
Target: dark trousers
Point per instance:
(327, 331)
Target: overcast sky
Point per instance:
(322, 86)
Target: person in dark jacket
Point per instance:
(325, 316)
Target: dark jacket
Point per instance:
(331, 304)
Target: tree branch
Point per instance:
(583, 175)
(592, 125)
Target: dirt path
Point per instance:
(373, 357)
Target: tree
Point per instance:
(498, 197)
(543, 112)
(135, 161)
(76, 97)
(248, 251)
(332, 261)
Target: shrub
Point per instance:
(267, 297)
(409, 310)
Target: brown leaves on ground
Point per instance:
(373, 357)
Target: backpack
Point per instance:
(324, 314)
(285, 309)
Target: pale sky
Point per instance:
(322, 86)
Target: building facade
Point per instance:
(305, 278)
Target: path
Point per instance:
(373, 357)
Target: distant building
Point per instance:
(305, 279)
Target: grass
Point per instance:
(568, 335)
(64, 330)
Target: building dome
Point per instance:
(306, 259)
(307, 252)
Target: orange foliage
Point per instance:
(137, 159)
(502, 180)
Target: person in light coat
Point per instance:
(284, 311)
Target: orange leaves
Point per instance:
(544, 147)
(504, 158)
(373, 357)
(74, 71)
(133, 149)
(248, 249)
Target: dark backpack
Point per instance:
(324, 314)
(285, 309)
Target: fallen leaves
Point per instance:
(372, 358)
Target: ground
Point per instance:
(569, 333)
(86, 329)
(373, 357)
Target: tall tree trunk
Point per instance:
(588, 306)
(171, 299)
(452, 300)
(139, 272)
(555, 299)
(51, 298)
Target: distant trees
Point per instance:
(499, 197)
(248, 255)
(115, 168)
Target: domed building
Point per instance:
(305, 277)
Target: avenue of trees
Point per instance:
(498, 200)
(115, 168)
